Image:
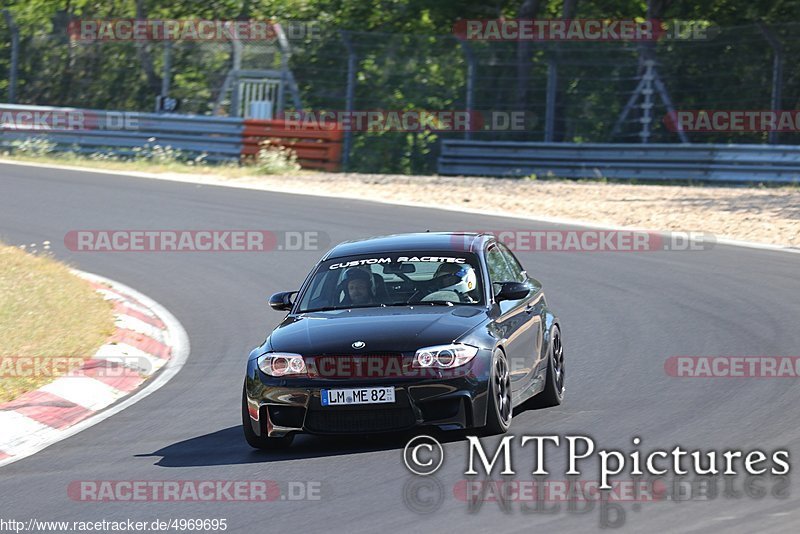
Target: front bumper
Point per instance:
(448, 401)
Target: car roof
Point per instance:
(423, 241)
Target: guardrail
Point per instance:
(122, 133)
(126, 133)
(722, 163)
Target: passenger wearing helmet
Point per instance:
(358, 287)
(455, 282)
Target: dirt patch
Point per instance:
(766, 215)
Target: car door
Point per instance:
(534, 308)
(512, 320)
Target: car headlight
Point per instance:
(282, 364)
(444, 356)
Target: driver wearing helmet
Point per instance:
(358, 287)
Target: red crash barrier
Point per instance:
(315, 148)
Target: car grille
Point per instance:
(370, 366)
(368, 420)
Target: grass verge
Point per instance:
(45, 312)
(271, 159)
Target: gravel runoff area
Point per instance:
(761, 214)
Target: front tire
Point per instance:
(499, 409)
(261, 442)
(553, 393)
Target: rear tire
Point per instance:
(261, 442)
(553, 393)
(499, 409)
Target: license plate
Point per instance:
(336, 397)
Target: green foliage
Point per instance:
(33, 146)
(165, 154)
(275, 159)
(408, 59)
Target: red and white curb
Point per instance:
(147, 349)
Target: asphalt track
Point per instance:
(623, 314)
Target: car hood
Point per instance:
(380, 329)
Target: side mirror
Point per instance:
(281, 301)
(512, 291)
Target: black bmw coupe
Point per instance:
(390, 333)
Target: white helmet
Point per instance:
(463, 278)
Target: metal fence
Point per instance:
(576, 92)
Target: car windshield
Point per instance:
(394, 279)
